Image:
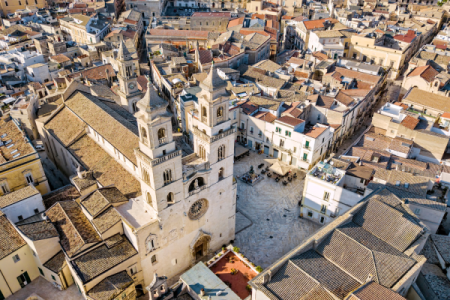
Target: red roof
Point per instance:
(290, 120)
(446, 115)
(318, 23)
(426, 72)
(407, 38)
(410, 122)
(236, 22)
(247, 32)
(265, 116)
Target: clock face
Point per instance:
(131, 86)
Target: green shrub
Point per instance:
(236, 249)
(259, 269)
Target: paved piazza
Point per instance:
(267, 221)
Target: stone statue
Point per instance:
(196, 184)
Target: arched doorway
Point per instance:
(200, 246)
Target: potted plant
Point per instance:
(236, 249)
(259, 269)
(224, 249)
(233, 271)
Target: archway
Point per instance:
(196, 183)
(200, 246)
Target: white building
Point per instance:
(38, 73)
(332, 188)
(328, 41)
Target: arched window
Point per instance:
(143, 135)
(170, 198)
(220, 112)
(203, 111)
(167, 176)
(145, 175)
(153, 259)
(149, 199)
(161, 133)
(134, 106)
(201, 152)
(221, 152)
(195, 184)
(221, 173)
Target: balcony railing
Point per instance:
(162, 141)
(198, 190)
(204, 119)
(282, 149)
(166, 158)
(307, 147)
(212, 139)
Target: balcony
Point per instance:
(281, 148)
(162, 141)
(198, 190)
(204, 119)
(307, 147)
(160, 160)
(212, 139)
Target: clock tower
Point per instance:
(128, 92)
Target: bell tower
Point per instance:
(128, 92)
(159, 162)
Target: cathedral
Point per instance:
(181, 203)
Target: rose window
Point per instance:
(198, 209)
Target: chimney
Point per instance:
(79, 173)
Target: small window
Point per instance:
(397, 183)
(42, 272)
(322, 220)
(406, 185)
(369, 138)
(29, 178)
(16, 258)
(20, 218)
(36, 211)
(417, 211)
(362, 181)
(154, 259)
(53, 277)
(310, 214)
(326, 196)
(133, 270)
(323, 209)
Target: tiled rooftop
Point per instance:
(38, 230)
(73, 227)
(117, 249)
(17, 196)
(10, 239)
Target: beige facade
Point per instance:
(363, 48)
(11, 6)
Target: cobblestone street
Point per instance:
(273, 209)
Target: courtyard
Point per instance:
(267, 218)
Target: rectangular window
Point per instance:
(307, 144)
(29, 178)
(53, 277)
(42, 272)
(5, 188)
(295, 149)
(305, 156)
(326, 196)
(417, 211)
(133, 270)
(323, 209)
(16, 258)
(310, 214)
(34, 253)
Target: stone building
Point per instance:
(180, 204)
(20, 164)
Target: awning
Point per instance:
(280, 168)
(9, 100)
(239, 150)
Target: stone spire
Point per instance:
(151, 101)
(213, 81)
(123, 53)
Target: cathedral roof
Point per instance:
(213, 81)
(123, 54)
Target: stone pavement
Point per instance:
(274, 212)
(47, 291)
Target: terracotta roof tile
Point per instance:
(426, 72)
(290, 120)
(10, 239)
(265, 116)
(410, 122)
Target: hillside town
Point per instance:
(224, 150)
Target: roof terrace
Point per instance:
(328, 173)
